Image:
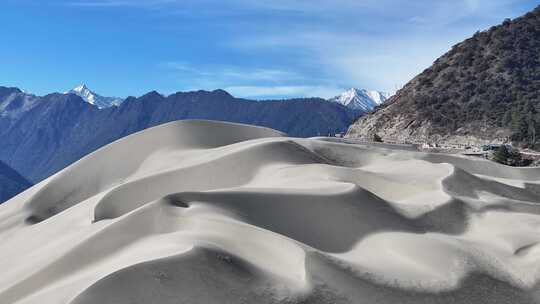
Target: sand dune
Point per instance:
(211, 212)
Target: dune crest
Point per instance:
(213, 212)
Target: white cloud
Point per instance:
(374, 44)
(283, 91)
(351, 60)
(122, 3)
(226, 75)
(258, 83)
(381, 54)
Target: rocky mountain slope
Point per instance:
(361, 99)
(41, 135)
(11, 183)
(485, 89)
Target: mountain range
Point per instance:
(485, 89)
(355, 99)
(43, 134)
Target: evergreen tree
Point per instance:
(377, 138)
(501, 155)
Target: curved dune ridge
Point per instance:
(213, 212)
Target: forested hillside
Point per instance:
(487, 87)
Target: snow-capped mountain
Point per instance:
(95, 99)
(361, 99)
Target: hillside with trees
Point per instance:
(485, 89)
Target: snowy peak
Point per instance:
(100, 101)
(361, 99)
(81, 88)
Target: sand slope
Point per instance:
(209, 212)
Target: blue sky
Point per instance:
(252, 48)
